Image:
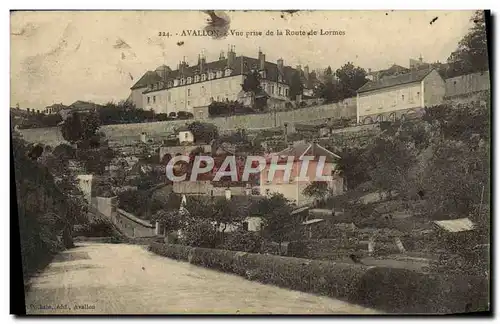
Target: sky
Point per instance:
(64, 56)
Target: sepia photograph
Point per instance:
(251, 162)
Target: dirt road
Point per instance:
(127, 279)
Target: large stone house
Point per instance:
(165, 90)
(293, 189)
(399, 96)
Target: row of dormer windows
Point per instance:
(189, 80)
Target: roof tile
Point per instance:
(414, 76)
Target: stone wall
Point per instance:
(128, 134)
(203, 188)
(133, 226)
(468, 84)
(106, 206)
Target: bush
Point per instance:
(184, 115)
(133, 201)
(177, 252)
(199, 233)
(327, 278)
(95, 228)
(243, 241)
(388, 289)
(163, 117)
(405, 291)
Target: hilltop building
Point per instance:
(399, 96)
(188, 87)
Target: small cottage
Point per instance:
(185, 135)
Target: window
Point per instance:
(227, 72)
(147, 99)
(169, 84)
(185, 135)
(202, 90)
(189, 92)
(418, 95)
(403, 98)
(196, 78)
(189, 80)
(183, 81)
(279, 91)
(272, 89)
(154, 99)
(245, 226)
(203, 77)
(219, 74)
(189, 103)
(286, 92)
(176, 82)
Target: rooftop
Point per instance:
(301, 149)
(240, 65)
(411, 77)
(455, 225)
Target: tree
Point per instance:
(203, 132)
(471, 54)
(296, 86)
(457, 179)
(227, 213)
(80, 127)
(95, 160)
(350, 78)
(317, 189)
(134, 202)
(251, 83)
(171, 219)
(391, 159)
(354, 166)
(46, 211)
(329, 90)
(278, 223)
(328, 75)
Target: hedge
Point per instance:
(403, 291)
(388, 289)
(321, 277)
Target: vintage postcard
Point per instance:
(198, 162)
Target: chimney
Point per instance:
(280, 64)
(228, 194)
(231, 56)
(202, 62)
(183, 65)
(221, 56)
(262, 60)
(306, 72)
